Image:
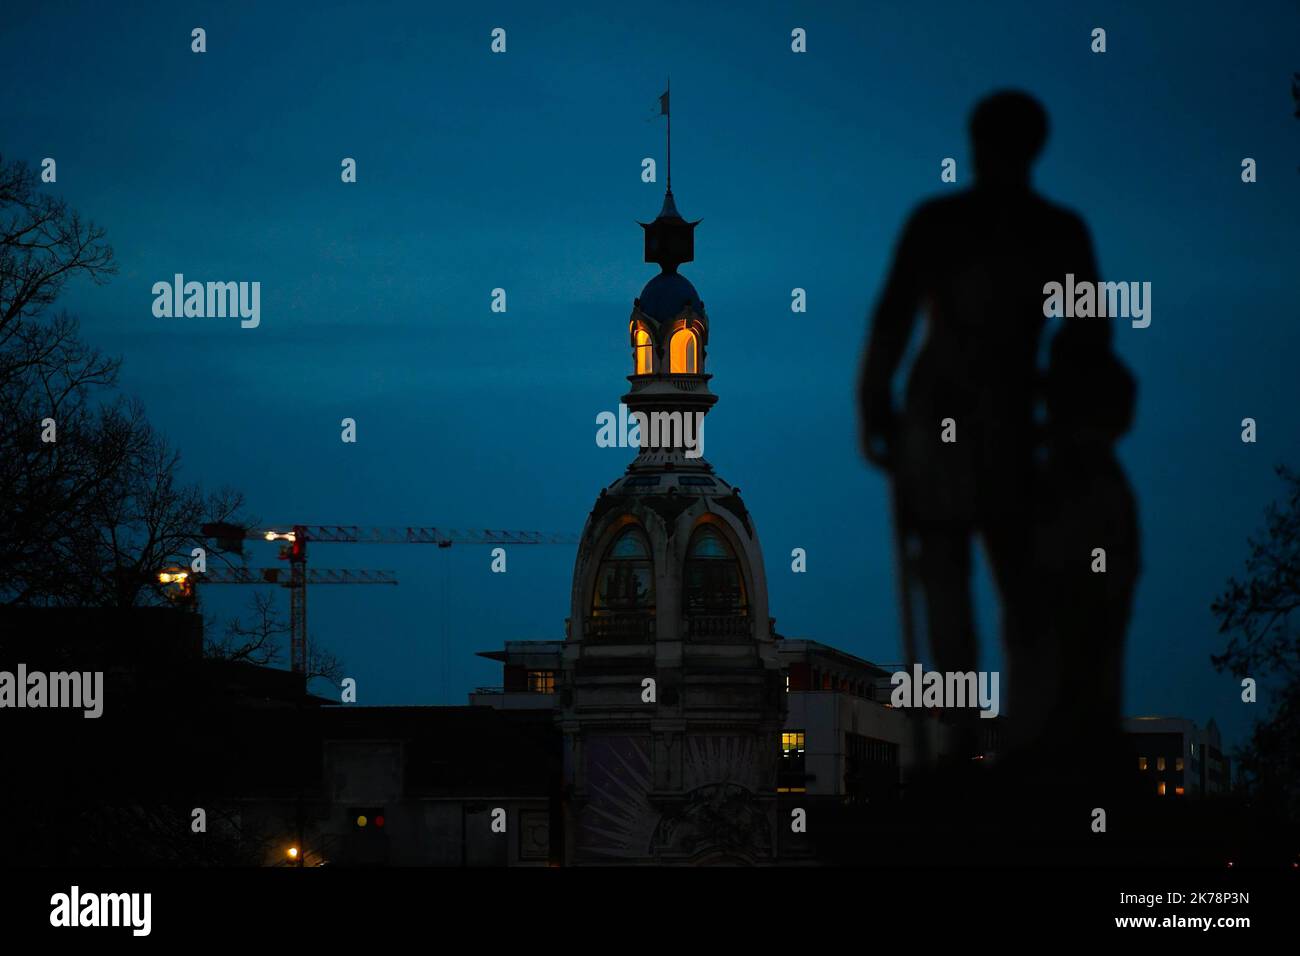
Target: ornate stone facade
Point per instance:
(671, 695)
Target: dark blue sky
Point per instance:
(523, 171)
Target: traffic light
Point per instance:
(367, 819)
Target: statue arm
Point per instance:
(891, 328)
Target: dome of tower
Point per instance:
(688, 543)
(664, 297)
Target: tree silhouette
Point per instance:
(91, 516)
(43, 244)
(1259, 614)
(261, 641)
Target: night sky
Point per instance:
(523, 171)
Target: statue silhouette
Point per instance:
(976, 263)
(1085, 521)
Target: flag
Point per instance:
(660, 108)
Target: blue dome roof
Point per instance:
(665, 296)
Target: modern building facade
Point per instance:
(1175, 757)
(841, 737)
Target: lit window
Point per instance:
(1178, 791)
(1142, 763)
(1160, 763)
(1160, 788)
(683, 352)
(791, 777)
(1178, 764)
(625, 581)
(714, 584)
(644, 351)
(541, 682)
(787, 683)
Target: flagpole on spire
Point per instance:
(669, 112)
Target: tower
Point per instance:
(671, 699)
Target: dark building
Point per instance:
(175, 733)
(198, 761)
(442, 786)
(1175, 758)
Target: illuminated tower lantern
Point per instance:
(671, 697)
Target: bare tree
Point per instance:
(46, 372)
(1260, 615)
(262, 641)
(258, 642)
(141, 518)
(93, 505)
(43, 244)
(323, 664)
(98, 512)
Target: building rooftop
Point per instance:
(800, 647)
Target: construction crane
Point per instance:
(184, 582)
(231, 537)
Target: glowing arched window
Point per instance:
(625, 581)
(684, 350)
(714, 584)
(644, 352)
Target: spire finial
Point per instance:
(667, 112)
(669, 240)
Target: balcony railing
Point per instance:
(682, 381)
(630, 628)
(689, 382)
(718, 627)
(638, 628)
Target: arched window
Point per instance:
(684, 352)
(714, 584)
(625, 581)
(645, 350)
